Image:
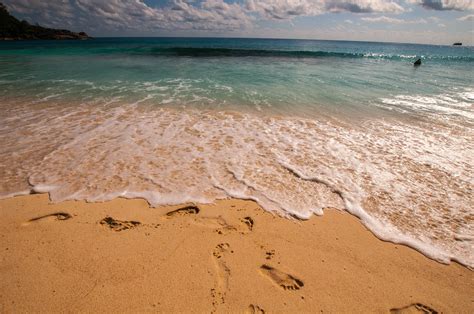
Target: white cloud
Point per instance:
(390, 20)
(180, 14)
(469, 17)
(434, 19)
(363, 6)
(287, 9)
(276, 9)
(214, 15)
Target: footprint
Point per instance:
(270, 254)
(286, 281)
(118, 225)
(222, 226)
(223, 273)
(254, 309)
(221, 249)
(188, 210)
(248, 221)
(53, 216)
(219, 224)
(414, 308)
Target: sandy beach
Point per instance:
(232, 256)
(236, 156)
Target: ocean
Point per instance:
(295, 125)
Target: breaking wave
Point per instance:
(196, 52)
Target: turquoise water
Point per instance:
(295, 125)
(282, 75)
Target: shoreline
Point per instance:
(228, 256)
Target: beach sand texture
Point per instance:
(231, 256)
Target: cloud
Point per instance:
(434, 19)
(469, 17)
(214, 15)
(444, 5)
(288, 9)
(209, 15)
(363, 6)
(58, 12)
(390, 20)
(59, 7)
(281, 10)
(204, 15)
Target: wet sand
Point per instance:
(232, 256)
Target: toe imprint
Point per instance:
(254, 309)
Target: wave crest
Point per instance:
(198, 52)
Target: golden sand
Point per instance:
(232, 256)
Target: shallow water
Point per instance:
(297, 126)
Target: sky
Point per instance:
(409, 21)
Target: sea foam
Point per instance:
(409, 182)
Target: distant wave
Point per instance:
(230, 52)
(222, 52)
(196, 52)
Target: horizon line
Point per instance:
(282, 38)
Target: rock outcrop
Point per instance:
(13, 29)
